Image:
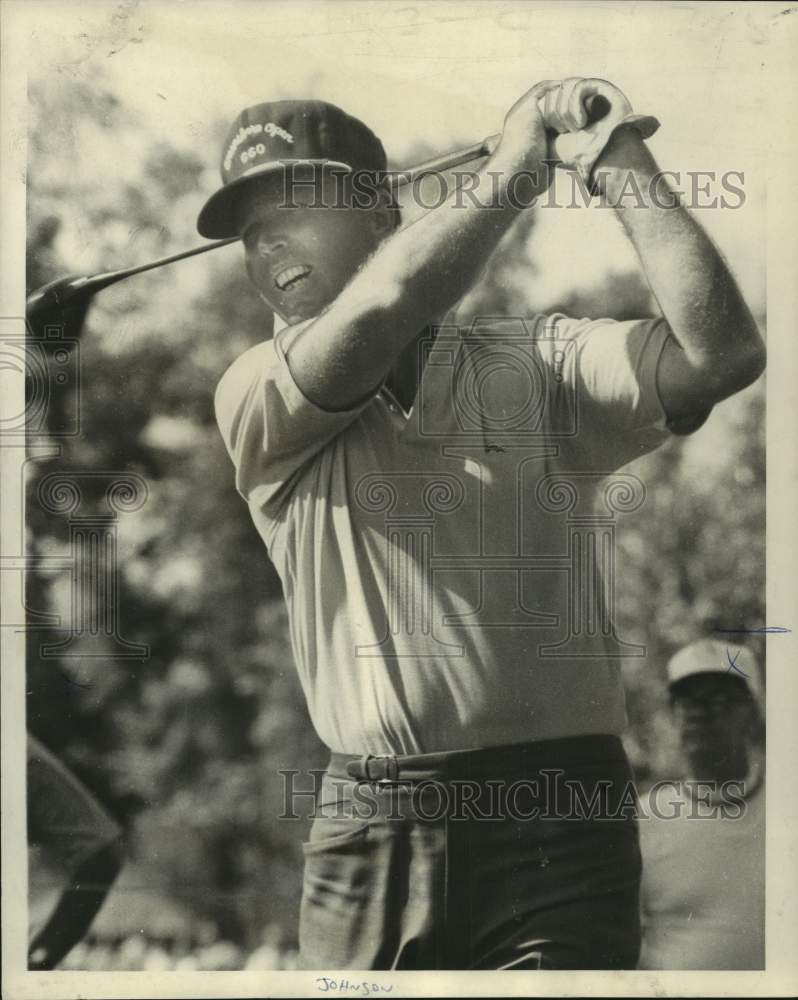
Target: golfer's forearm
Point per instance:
(692, 284)
(415, 276)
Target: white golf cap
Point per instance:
(711, 656)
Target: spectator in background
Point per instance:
(80, 845)
(703, 839)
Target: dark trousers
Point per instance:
(518, 857)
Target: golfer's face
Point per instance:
(711, 713)
(301, 250)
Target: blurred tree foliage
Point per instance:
(185, 745)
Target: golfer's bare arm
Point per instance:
(416, 275)
(420, 272)
(715, 349)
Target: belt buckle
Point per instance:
(391, 767)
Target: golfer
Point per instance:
(409, 491)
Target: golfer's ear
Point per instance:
(248, 269)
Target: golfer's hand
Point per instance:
(525, 144)
(584, 113)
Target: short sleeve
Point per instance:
(617, 370)
(271, 429)
(615, 383)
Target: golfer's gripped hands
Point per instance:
(568, 122)
(525, 144)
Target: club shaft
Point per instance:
(436, 165)
(102, 280)
(96, 282)
(446, 162)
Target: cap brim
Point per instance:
(216, 220)
(701, 672)
(749, 684)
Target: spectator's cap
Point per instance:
(267, 137)
(711, 656)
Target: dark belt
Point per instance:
(521, 758)
(365, 768)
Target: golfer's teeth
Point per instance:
(290, 275)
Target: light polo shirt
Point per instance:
(442, 568)
(703, 890)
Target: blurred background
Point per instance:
(128, 107)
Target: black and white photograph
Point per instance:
(399, 487)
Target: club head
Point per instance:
(63, 302)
